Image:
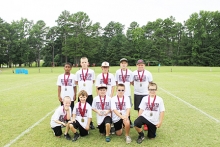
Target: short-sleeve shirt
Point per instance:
(111, 82)
(66, 90)
(87, 115)
(141, 88)
(128, 79)
(86, 85)
(157, 108)
(116, 106)
(96, 104)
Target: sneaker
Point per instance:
(140, 139)
(91, 126)
(112, 130)
(131, 125)
(108, 139)
(128, 139)
(76, 136)
(145, 127)
(67, 136)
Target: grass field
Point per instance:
(191, 96)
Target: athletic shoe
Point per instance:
(145, 127)
(91, 126)
(108, 139)
(67, 136)
(76, 136)
(128, 139)
(112, 130)
(140, 139)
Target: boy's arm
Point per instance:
(59, 91)
(140, 112)
(113, 90)
(75, 90)
(161, 119)
(60, 122)
(118, 114)
(97, 93)
(128, 111)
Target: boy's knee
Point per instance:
(137, 123)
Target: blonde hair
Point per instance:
(66, 98)
(152, 84)
(83, 58)
(82, 93)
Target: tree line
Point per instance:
(195, 42)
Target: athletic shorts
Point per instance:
(151, 127)
(57, 131)
(137, 101)
(102, 128)
(118, 125)
(82, 131)
(89, 99)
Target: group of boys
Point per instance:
(112, 111)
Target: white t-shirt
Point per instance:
(115, 106)
(70, 84)
(111, 82)
(128, 80)
(88, 87)
(141, 88)
(96, 104)
(158, 107)
(58, 115)
(87, 115)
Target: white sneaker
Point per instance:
(128, 139)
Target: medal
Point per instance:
(66, 81)
(124, 76)
(82, 111)
(120, 104)
(82, 120)
(151, 114)
(141, 77)
(65, 89)
(140, 85)
(84, 84)
(102, 112)
(151, 106)
(105, 80)
(84, 77)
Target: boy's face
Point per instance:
(105, 69)
(152, 90)
(120, 90)
(84, 63)
(67, 68)
(102, 91)
(66, 103)
(123, 64)
(82, 99)
(141, 67)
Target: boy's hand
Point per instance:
(64, 124)
(60, 99)
(66, 108)
(87, 128)
(158, 125)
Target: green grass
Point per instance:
(25, 99)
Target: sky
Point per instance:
(104, 11)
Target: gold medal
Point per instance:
(65, 89)
(84, 84)
(140, 85)
(151, 114)
(82, 120)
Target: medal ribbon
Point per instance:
(85, 76)
(65, 114)
(140, 78)
(120, 104)
(66, 80)
(124, 76)
(105, 80)
(102, 104)
(82, 111)
(151, 108)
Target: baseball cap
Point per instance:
(140, 61)
(123, 59)
(105, 64)
(102, 86)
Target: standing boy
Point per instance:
(141, 78)
(60, 117)
(151, 113)
(120, 105)
(85, 78)
(102, 106)
(66, 85)
(124, 76)
(82, 116)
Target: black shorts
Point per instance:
(72, 104)
(137, 101)
(118, 125)
(89, 99)
(82, 131)
(57, 131)
(102, 127)
(151, 127)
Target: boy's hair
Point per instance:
(152, 84)
(67, 63)
(121, 85)
(66, 98)
(83, 58)
(82, 93)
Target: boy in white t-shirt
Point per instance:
(120, 106)
(151, 113)
(66, 85)
(61, 115)
(141, 79)
(85, 78)
(102, 106)
(82, 116)
(124, 76)
(106, 78)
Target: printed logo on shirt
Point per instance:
(88, 77)
(109, 81)
(155, 108)
(106, 107)
(118, 106)
(78, 113)
(69, 83)
(61, 118)
(126, 79)
(136, 78)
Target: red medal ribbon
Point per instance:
(85, 76)
(65, 114)
(102, 104)
(82, 111)
(124, 76)
(120, 104)
(140, 78)
(105, 80)
(66, 80)
(151, 108)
